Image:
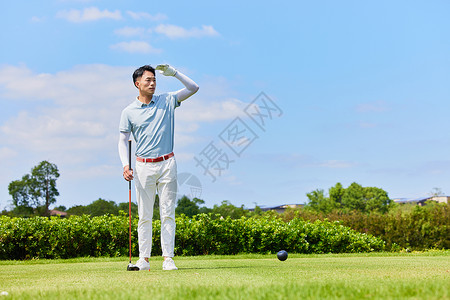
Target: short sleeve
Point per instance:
(125, 124)
(174, 99)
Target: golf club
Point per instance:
(130, 266)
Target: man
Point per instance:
(150, 118)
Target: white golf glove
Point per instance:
(166, 70)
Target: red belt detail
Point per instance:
(161, 158)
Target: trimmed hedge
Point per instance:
(268, 234)
(407, 226)
(79, 236)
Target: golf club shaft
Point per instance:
(129, 197)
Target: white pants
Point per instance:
(149, 177)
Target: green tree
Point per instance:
(78, 210)
(204, 210)
(36, 190)
(124, 206)
(22, 211)
(258, 211)
(226, 209)
(365, 199)
(336, 193)
(354, 197)
(134, 208)
(188, 207)
(21, 192)
(315, 198)
(60, 208)
(319, 202)
(102, 207)
(98, 207)
(376, 199)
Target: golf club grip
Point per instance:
(129, 153)
(129, 161)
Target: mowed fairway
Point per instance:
(358, 276)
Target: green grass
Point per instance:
(341, 276)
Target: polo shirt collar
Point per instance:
(141, 104)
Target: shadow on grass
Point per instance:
(220, 267)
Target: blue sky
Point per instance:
(359, 92)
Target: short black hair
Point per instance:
(139, 72)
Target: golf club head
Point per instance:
(132, 267)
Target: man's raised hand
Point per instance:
(166, 70)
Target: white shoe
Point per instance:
(143, 265)
(169, 264)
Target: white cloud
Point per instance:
(337, 164)
(175, 32)
(131, 31)
(213, 102)
(199, 110)
(146, 16)
(36, 19)
(376, 106)
(75, 113)
(95, 171)
(88, 14)
(76, 87)
(7, 153)
(135, 47)
(367, 125)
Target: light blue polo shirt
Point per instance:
(152, 125)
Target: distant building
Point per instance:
(54, 212)
(422, 201)
(441, 199)
(279, 208)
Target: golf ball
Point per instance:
(282, 255)
(4, 293)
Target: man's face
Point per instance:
(147, 83)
